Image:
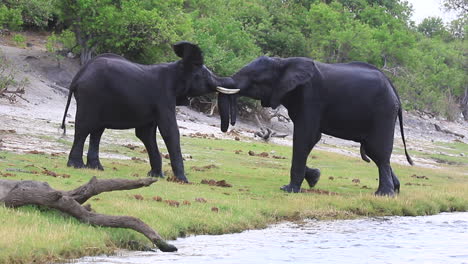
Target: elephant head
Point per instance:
(200, 80)
(271, 79)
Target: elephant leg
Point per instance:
(312, 176)
(169, 130)
(379, 148)
(396, 182)
(75, 158)
(93, 150)
(147, 135)
(306, 135)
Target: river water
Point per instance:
(434, 239)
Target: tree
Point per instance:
(460, 6)
(458, 28)
(432, 26)
(141, 30)
(10, 17)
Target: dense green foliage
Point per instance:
(426, 61)
(10, 17)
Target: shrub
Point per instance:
(67, 39)
(37, 13)
(19, 40)
(9, 87)
(10, 18)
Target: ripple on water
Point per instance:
(434, 239)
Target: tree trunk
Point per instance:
(86, 54)
(19, 193)
(464, 105)
(214, 104)
(83, 40)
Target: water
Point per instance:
(426, 239)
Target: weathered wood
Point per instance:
(95, 187)
(19, 193)
(439, 129)
(266, 134)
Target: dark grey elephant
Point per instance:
(353, 101)
(112, 92)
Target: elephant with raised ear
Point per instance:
(353, 101)
(112, 92)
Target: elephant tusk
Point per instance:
(227, 91)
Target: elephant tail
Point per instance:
(70, 94)
(71, 90)
(400, 117)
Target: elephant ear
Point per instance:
(296, 73)
(190, 53)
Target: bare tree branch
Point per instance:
(19, 193)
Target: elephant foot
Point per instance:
(396, 184)
(383, 192)
(152, 173)
(76, 163)
(182, 178)
(312, 176)
(94, 164)
(291, 188)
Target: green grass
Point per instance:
(453, 153)
(253, 201)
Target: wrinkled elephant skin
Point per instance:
(353, 101)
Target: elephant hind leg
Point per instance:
(93, 151)
(396, 182)
(379, 148)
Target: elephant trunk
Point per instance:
(227, 103)
(224, 109)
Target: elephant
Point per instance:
(353, 101)
(115, 93)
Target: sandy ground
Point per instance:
(32, 123)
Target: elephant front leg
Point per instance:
(170, 132)
(312, 176)
(147, 135)
(304, 139)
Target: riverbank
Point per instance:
(252, 201)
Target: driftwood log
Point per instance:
(19, 193)
(266, 134)
(439, 129)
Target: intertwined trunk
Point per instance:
(227, 104)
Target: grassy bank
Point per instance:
(253, 201)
